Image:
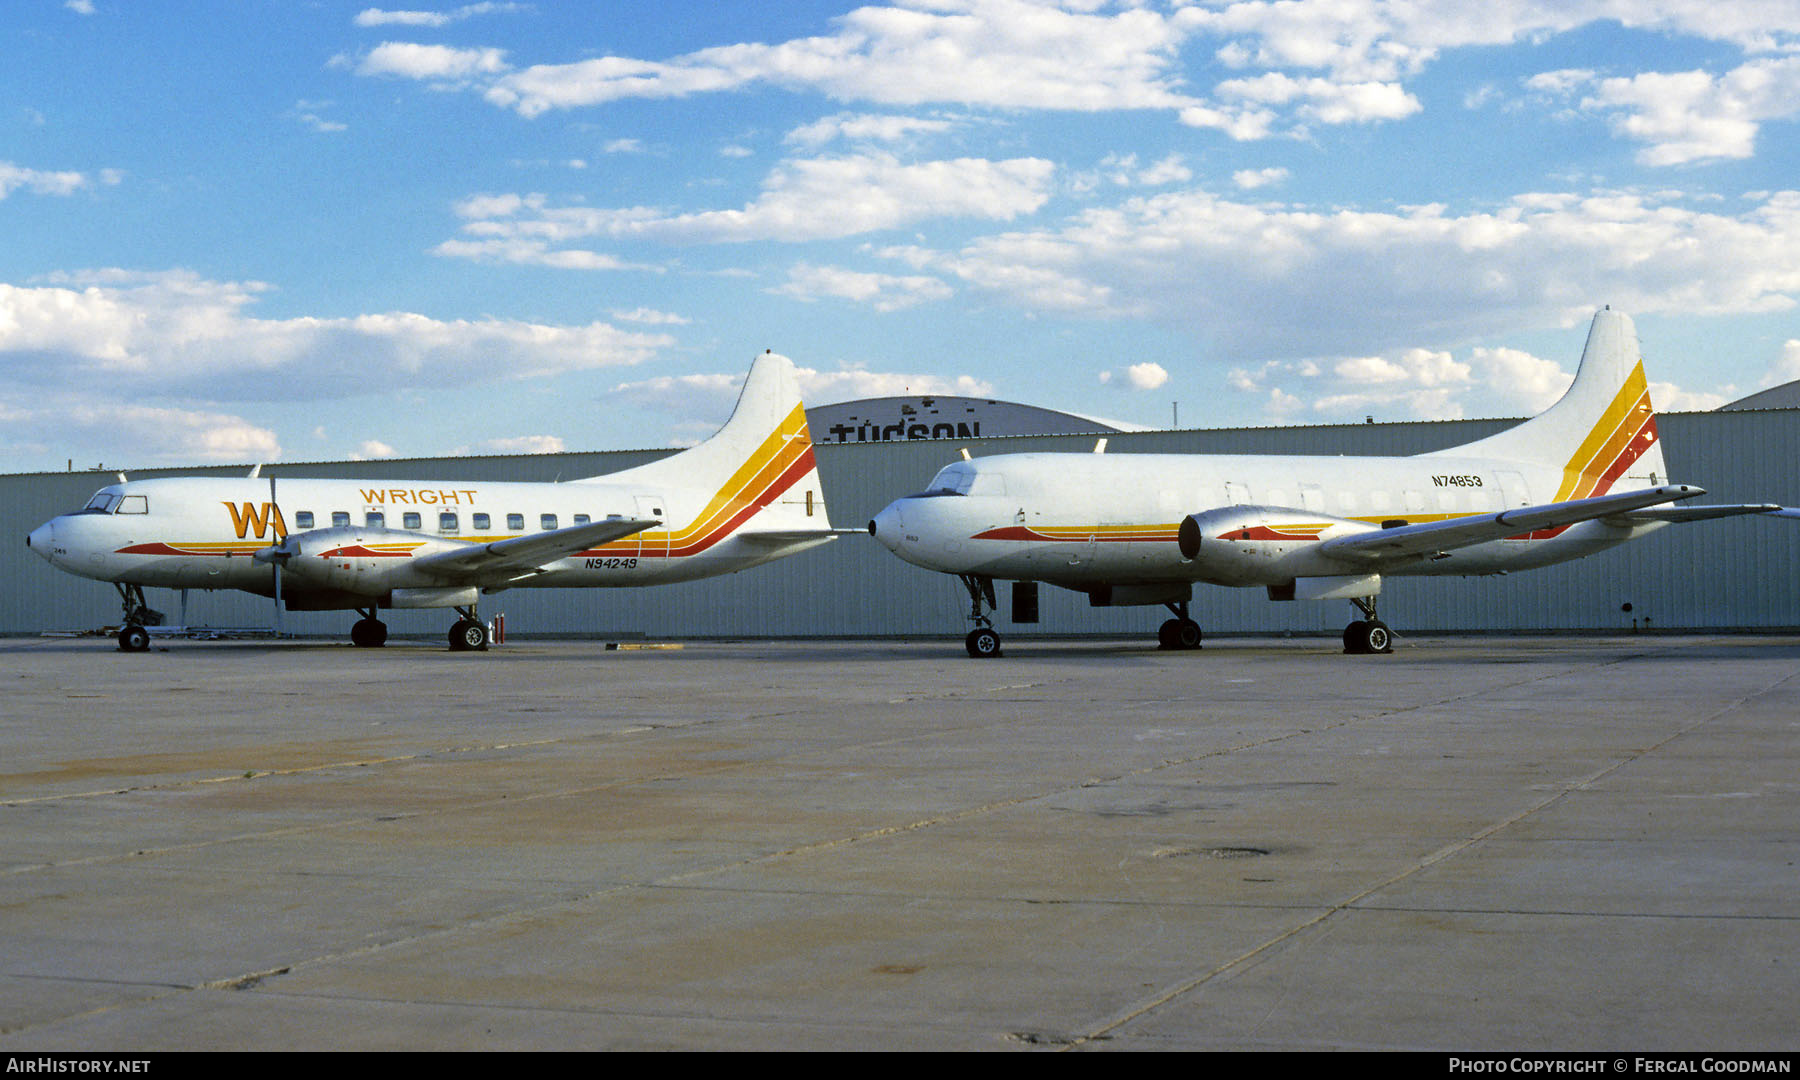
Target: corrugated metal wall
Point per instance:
(1735, 573)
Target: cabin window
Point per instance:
(340, 519)
(303, 520)
(581, 519)
(447, 522)
(515, 522)
(546, 522)
(410, 519)
(375, 519)
(134, 504)
(482, 522)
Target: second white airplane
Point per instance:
(746, 496)
(1139, 529)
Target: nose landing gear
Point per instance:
(983, 641)
(132, 636)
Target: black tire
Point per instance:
(1187, 634)
(1377, 638)
(1168, 634)
(134, 639)
(982, 643)
(468, 634)
(368, 634)
(1356, 637)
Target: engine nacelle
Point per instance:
(1262, 545)
(367, 562)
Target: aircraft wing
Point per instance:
(1435, 536)
(504, 558)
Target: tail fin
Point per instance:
(760, 463)
(1602, 429)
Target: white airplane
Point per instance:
(746, 496)
(1584, 476)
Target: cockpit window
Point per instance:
(962, 478)
(134, 504)
(103, 501)
(954, 479)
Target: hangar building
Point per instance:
(1733, 574)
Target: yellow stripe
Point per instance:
(1610, 434)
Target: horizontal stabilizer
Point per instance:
(521, 553)
(1435, 536)
(1678, 514)
(777, 537)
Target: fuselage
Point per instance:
(202, 532)
(1083, 520)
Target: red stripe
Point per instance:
(791, 475)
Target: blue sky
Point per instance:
(250, 230)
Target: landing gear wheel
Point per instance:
(467, 634)
(1377, 637)
(1373, 636)
(368, 633)
(982, 643)
(134, 639)
(1178, 634)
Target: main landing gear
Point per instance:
(132, 636)
(368, 632)
(983, 641)
(1367, 634)
(1180, 632)
(469, 632)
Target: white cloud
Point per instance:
(1004, 53)
(1146, 376)
(177, 336)
(409, 60)
(1261, 280)
(1251, 179)
(1301, 62)
(1668, 397)
(863, 127)
(1516, 378)
(883, 292)
(378, 17)
(1430, 384)
(1786, 369)
(1693, 116)
(371, 450)
(38, 182)
(808, 199)
(651, 317)
(524, 444)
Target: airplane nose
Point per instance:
(886, 526)
(42, 538)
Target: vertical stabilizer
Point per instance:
(759, 465)
(1599, 432)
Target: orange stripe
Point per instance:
(1596, 462)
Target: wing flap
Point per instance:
(510, 558)
(1435, 536)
